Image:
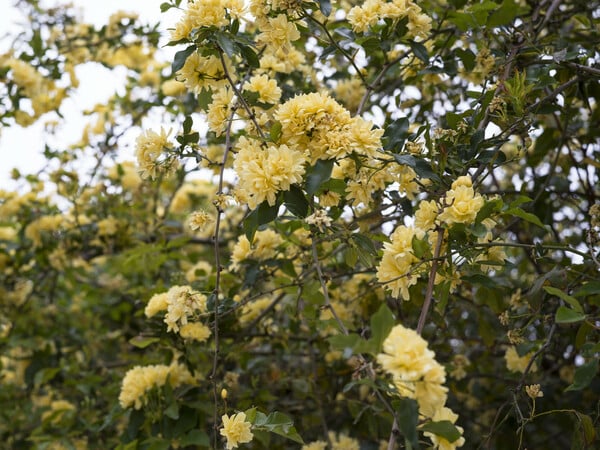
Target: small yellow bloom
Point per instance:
(236, 430)
(534, 391)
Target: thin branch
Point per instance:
(431, 283)
(317, 264)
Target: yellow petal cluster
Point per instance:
(151, 153)
(516, 363)
(236, 430)
(141, 379)
(183, 303)
(265, 172)
(395, 270)
(318, 124)
(415, 372)
(461, 203)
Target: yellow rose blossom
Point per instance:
(264, 173)
(182, 304)
(236, 430)
(395, 270)
(151, 153)
(265, 87)
(415, 372)
(141, 379)
(439, 442)
(278, 32)
(461, 203)
(156, 304)
(516, 363)
(195, 331)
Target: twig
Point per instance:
(431, 283)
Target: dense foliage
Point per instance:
(347, 225)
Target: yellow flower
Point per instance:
(263, 173)
(140, 379)
(236, 430)
(156, 304)
(516, 363)
(395, 268)
(195, 331)
(266, 88)
(415, 372)
(151, 155)
(199, 219)
(462, 204)
(277, 32)
(426, 215)
(534, 391)
(440, 442)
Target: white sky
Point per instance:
(22, 147)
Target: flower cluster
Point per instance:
(461, 202)
(142, 379)
(396, 269)
(265, 172)
(183, 305)
(372, 11)
(152, 154)
(416, 374)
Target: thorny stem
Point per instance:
(218, 206)
(241, 99)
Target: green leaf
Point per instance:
(421, 167)
(143, 342)
(382, 323)
(587, 427)
(181, 57)
(319, 174)
(275, 132)
(443, 428)
(165, 6)
(342, 341)
(195, 437)
(518, 212)
(295, 201)
(250, 56)
(325, 7)
(420, 51)
(172, 410)
(187, 124)
(407, 410)
(567, 298)
(156, 444)
(395, 134)
(584, 375)
(567, 315)
(503, 15)
(225, 43)
(260, 216)
(589, 288)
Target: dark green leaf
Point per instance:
(195, 437)
(443, 428)
(382, 323)
(518, 212)
(572, 301)
(143, 342)
(325, 7)
(420, 51)
(295, 201)
(420, 166)
(395, 134)
(584, 375)
(407, 410)
(225, 43)
(250, 56)
(319, 174)
(567, 315)
(181, 57)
